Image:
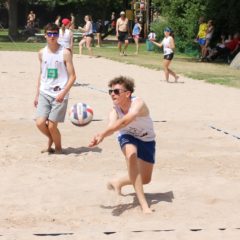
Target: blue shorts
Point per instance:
(202, 41)
(145, 150)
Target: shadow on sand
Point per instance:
(152, 199)
(80, 150)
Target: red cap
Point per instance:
(65, 21)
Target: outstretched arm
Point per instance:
(156, 43)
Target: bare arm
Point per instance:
(71, 75)
(172, 43)
(117, 25)
(156, 43)
(71, 41)
(138, 108)
(140, 27)
(38, 79)
(128, 29)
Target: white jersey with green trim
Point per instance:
(54, 76)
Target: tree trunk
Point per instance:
(12, 18)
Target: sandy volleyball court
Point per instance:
(195, 190)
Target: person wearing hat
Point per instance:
(122, 32)
(168, 45)
(65, 35)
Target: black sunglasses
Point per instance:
(52, 34)
(116, 91)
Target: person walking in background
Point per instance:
(99, 30)
(201, 36)
(113, 22)
(168, 45)
(65, 35)
(130, 117)
(122, 32)
(58, 21)
(87, 35)
(55, 80)
(136, 34)
(209, 35)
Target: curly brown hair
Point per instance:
(127, 82)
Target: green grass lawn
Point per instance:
(215, 73)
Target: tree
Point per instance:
(98, 7)
(183, 15)
(11, 6)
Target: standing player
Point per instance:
(87, 35)
(136, 34)
(201, 36)
(130, 116)
(65, 35)
(168, 53)
(122, 31)
(56, 77)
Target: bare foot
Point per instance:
(147, 210)
(48, 150)
(176, 78)
(60, 151)
(115, 186)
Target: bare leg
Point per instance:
(117, 184)
(173, 74)
(98, 40)
(88, 45)
(168, 71)
(125, 46)
(43, 127)
(140, 172)
(137, 45)
(202, 52)
(120, 47)
(81, 45)
(56, 136)
(165, 67)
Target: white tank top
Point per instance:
(54, 75)
(166, 46)
(88, 27)
(141, 128)
(64, 38)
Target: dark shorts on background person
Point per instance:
(145, 150)
(90, 35)
(168, 56)
(122, 36)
